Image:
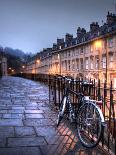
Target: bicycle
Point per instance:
(88, 116)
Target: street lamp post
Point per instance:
(37, 61)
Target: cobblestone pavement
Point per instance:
(27, 122)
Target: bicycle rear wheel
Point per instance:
(61, 110)
(89, 125)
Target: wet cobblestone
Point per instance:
(28, 122)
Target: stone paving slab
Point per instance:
(33, 111)
(20, 151)
(26, 141)
(28, 122)
(25, 131)
(37, 122)
(6, 132)
(11, 122)
(13, 116)
(34, 115)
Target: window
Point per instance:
(65, 65)
(110, 42)
(69, 53)
(68, 64)
(86, 63)
(73, 64)
(91, 49)
(73, 52)
(77, 52)
(86, 49)
(77, 64)
(81, 63)
(65, 54)
(91, 63)
(97, 62)
(81, 50)
(62, 55)
(104, 61)
(58, 56)
(111, 60)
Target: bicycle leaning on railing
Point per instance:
(88, 116)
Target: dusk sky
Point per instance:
(31, 25)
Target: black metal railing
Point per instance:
(108, 105)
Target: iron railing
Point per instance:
(108, 105)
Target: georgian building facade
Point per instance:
(90, 55)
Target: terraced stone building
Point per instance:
(89, 55)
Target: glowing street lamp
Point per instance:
(37, 61)
(23, 66)
(98, 44)
(12, 71)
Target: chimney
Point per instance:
(111, 18)
(80, 33)
(54, 47)
(60, 43)
(94, 27)
(68, 39)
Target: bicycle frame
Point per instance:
(93, 102)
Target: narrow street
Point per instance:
(28, 122)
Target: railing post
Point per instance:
(49, 84)
(94, 90)
(54, 83)
(99, 92)
(105, 95)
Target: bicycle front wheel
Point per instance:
(89, 125)
(61, 110)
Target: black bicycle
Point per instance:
(88, 116)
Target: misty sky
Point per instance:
(31, 25)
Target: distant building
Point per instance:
(90, 55)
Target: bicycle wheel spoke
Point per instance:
(89, 125)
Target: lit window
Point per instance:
(86, 64)
(91, 63)
(104, 61)
(81, 50)
(68, 64)
(77, 64)
(97, 63)
(73, 64)
(91, 49)
(58, 56)
(81, 62)
(111, 61)
(110, 42)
